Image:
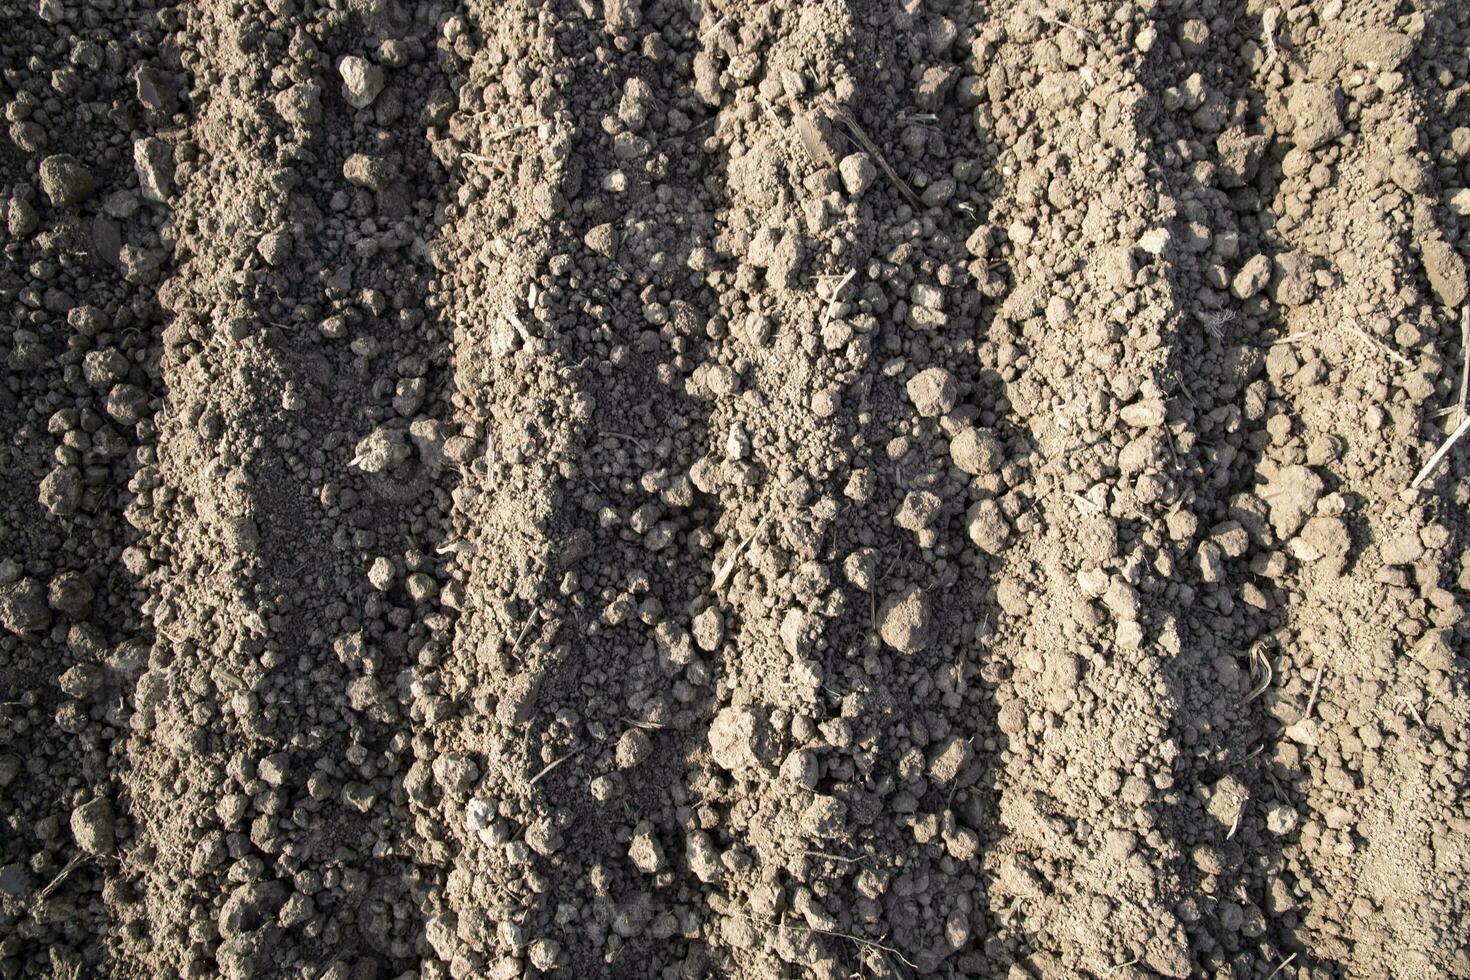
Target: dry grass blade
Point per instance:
(1441, 452)
(1463, 405)
(66, 965)
(1281, 966)
(1465, 368)
(836, 292)
(1235, 824)
(547, 769)
(727, 567)
(866, 943)
(1249, 756)
(715, 27)
(1269, 22)
(810, 134)
(77, 860)
(1265, 673)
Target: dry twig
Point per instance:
(1441, 452)
(1312, 698)
(77, 860)
(1383, 348)
(865, 943)
(1281, 966)
(1463, 406)
(1120, 966)
(1411, 708)
(833, 857)
(546, 770)
(495, 138)
(530, 620)
(1293, 338)
(627, 438)
(1048, 17)
(1465, 368)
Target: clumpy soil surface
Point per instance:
(744, 488)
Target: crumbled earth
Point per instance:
(756, 488)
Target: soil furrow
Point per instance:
(249, 807)
(1093, 501)
(853, 734)
(574, 334)
(81, 334)
(1369, 680)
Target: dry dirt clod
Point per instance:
(858, 174)
(933, 392)
(92, 827)
(906, 621)
(740, 738)
(154, 161)
(1313, 107)
(362, 81)
(65, 180)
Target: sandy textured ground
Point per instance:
(640, 488)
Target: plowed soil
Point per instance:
(734, 488)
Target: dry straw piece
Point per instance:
(1464, 406)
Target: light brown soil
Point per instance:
(797, 488)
